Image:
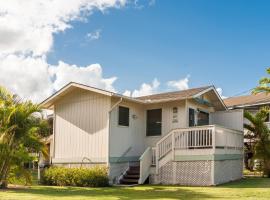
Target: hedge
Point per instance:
(83, 177)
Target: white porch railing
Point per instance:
(202, 137)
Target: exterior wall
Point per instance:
(81, 128)
(127, 143)
(77, 165)
(233, 119)
(167, 120)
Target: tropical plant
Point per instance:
(259, 133)
(21, 131)
(264, 84)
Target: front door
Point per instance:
(154, 122)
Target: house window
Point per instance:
(191, 117)
(203, 118)
(123, 116)
(154, 119)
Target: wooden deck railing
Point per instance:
(201, 137)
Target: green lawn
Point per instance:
(250, 188)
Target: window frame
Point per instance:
(128, 121)
(205, 112)
(147, 128)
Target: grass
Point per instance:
(249, 188)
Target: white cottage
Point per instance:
(186, 137)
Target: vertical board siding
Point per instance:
(82, 122)
(167, 120)
(233, 119)
(122, 138)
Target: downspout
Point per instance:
(110, 111)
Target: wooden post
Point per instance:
(157, 155)
(173, 145)
(214, 149)
(38, 173)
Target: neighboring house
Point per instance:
(186, 137)
(251, 103)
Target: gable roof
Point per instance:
(177, 95)
(47, 103)
(248, 100)
(157, 98)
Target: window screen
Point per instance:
(123, 116)
(203, 118)
(154, 120)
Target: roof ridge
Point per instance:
(173, 92)
(247, 95)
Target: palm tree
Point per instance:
(259, 132)
(264, 84)
(21, 132)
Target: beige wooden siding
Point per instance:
(131, 137)
(81, 127)
(233, 119)
(167, 119)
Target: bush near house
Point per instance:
(83, 177)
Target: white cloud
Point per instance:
(127, 93)
(140, 4)
(145, 89)
(181, 84)
(95, 35)
(28, 26)
(27, 29)
(26, 76)
(153, 88)
(91, 75)
(33, 78)
(220, 92)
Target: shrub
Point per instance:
(84, 177)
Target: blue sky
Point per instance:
(220, 42)
(225, 43)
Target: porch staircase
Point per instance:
(176, 142)
(131, 177)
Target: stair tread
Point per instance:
(125, 180)
(133, 173)
(132, 176)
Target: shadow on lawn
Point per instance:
(121, 193)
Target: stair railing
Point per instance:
(185, 138)
(124, 154)
(145, 164)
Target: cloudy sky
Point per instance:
(133, 47)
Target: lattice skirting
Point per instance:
(198, 173)
(228, 170)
